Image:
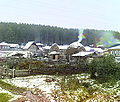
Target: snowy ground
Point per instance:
(38, 81)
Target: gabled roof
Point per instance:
(28, 45)
(8, 44)
(75, 44)
(46, 47)
(63, 47)
(39, 44)
(4, 44)
(82, 54)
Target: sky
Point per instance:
(92, 14)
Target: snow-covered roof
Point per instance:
(63, 47)
(4, 44)
(100, 45)
(82, 54)
(11, 53)
(13, 45)
(8, 44)
(46, 47)
(115, 47)
(40, 48)
(54, 53)
(75, 44)
(28, 44)
(97, 49)
(54, 44)
(39, 44)
(87, 48)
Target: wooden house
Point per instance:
(74, 48)
(82, 56)
(54, 53)
(33, 48)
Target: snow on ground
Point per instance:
(39, 82)
(34, 82)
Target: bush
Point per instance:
(104, 69)
(5, 97)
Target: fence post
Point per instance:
(13, 73)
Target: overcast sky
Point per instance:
(93, 14)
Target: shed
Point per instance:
(54, 52)
(54, 55)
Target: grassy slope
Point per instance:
(13, 89)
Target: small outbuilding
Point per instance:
(54, 52)
(82, 56)
(54, 55)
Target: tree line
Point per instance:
(22, 33)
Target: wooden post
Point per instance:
(13, 73)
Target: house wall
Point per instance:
(115, 52)
(4, 47)
(54, 57)
(33, 48)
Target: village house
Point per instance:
(74, 48)
(54, 52)
(82, 53)
(115, 51)
(46, 49)
(82, 56)
(8, 46)
(63, 48)
(4, 46)
(40, 45)
(14, 46)
(33, 48)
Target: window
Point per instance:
(112, 52)
(117, 52)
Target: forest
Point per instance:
(22, 33)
